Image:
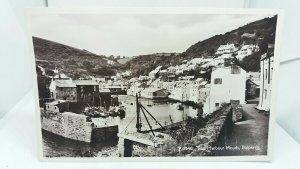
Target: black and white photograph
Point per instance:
(155, 84)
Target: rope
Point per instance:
(128, 124)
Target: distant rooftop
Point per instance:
(56, 102)
(153, 89)
(85, 82)
(64, 83)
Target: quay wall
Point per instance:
(105, 134)
(69, 125)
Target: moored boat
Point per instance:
(179, 107)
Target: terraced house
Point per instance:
(266, 66)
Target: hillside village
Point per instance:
(173, 83)
(209, 89)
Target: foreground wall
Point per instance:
(67, 124)
(214, 133)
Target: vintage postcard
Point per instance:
(158, 84)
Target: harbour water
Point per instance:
(163, 110)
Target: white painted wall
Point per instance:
(265, 87)
(232, 88)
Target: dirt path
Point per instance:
(249, 136)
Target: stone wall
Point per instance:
(142, 150)
(66, 93)
(67, 124)
(217, 128)
(236, 110)
(105, 134)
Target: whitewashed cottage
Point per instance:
(227, 83)
(228, 48)
(266, 74)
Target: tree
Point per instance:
(105, 71)
(251, 62)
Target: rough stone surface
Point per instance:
(69, 125)
(210, 135)
(142, 150)
(237, 111)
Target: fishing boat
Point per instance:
(179, 107)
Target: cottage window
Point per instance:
(271, 74)
(61, 89)
(218, 81)
(217, 104)
(266, 93)
(266, 74)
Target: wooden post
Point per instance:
(138, 124)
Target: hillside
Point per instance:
(72, 61)
(143, 64)
(79, 62)
(124, 60)
(261, 32)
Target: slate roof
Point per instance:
(85, 82)
(64, 83)
(153, 89)
(56, 102)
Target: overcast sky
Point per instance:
(131, 35)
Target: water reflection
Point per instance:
(163, 110)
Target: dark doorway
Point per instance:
(127, 148)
